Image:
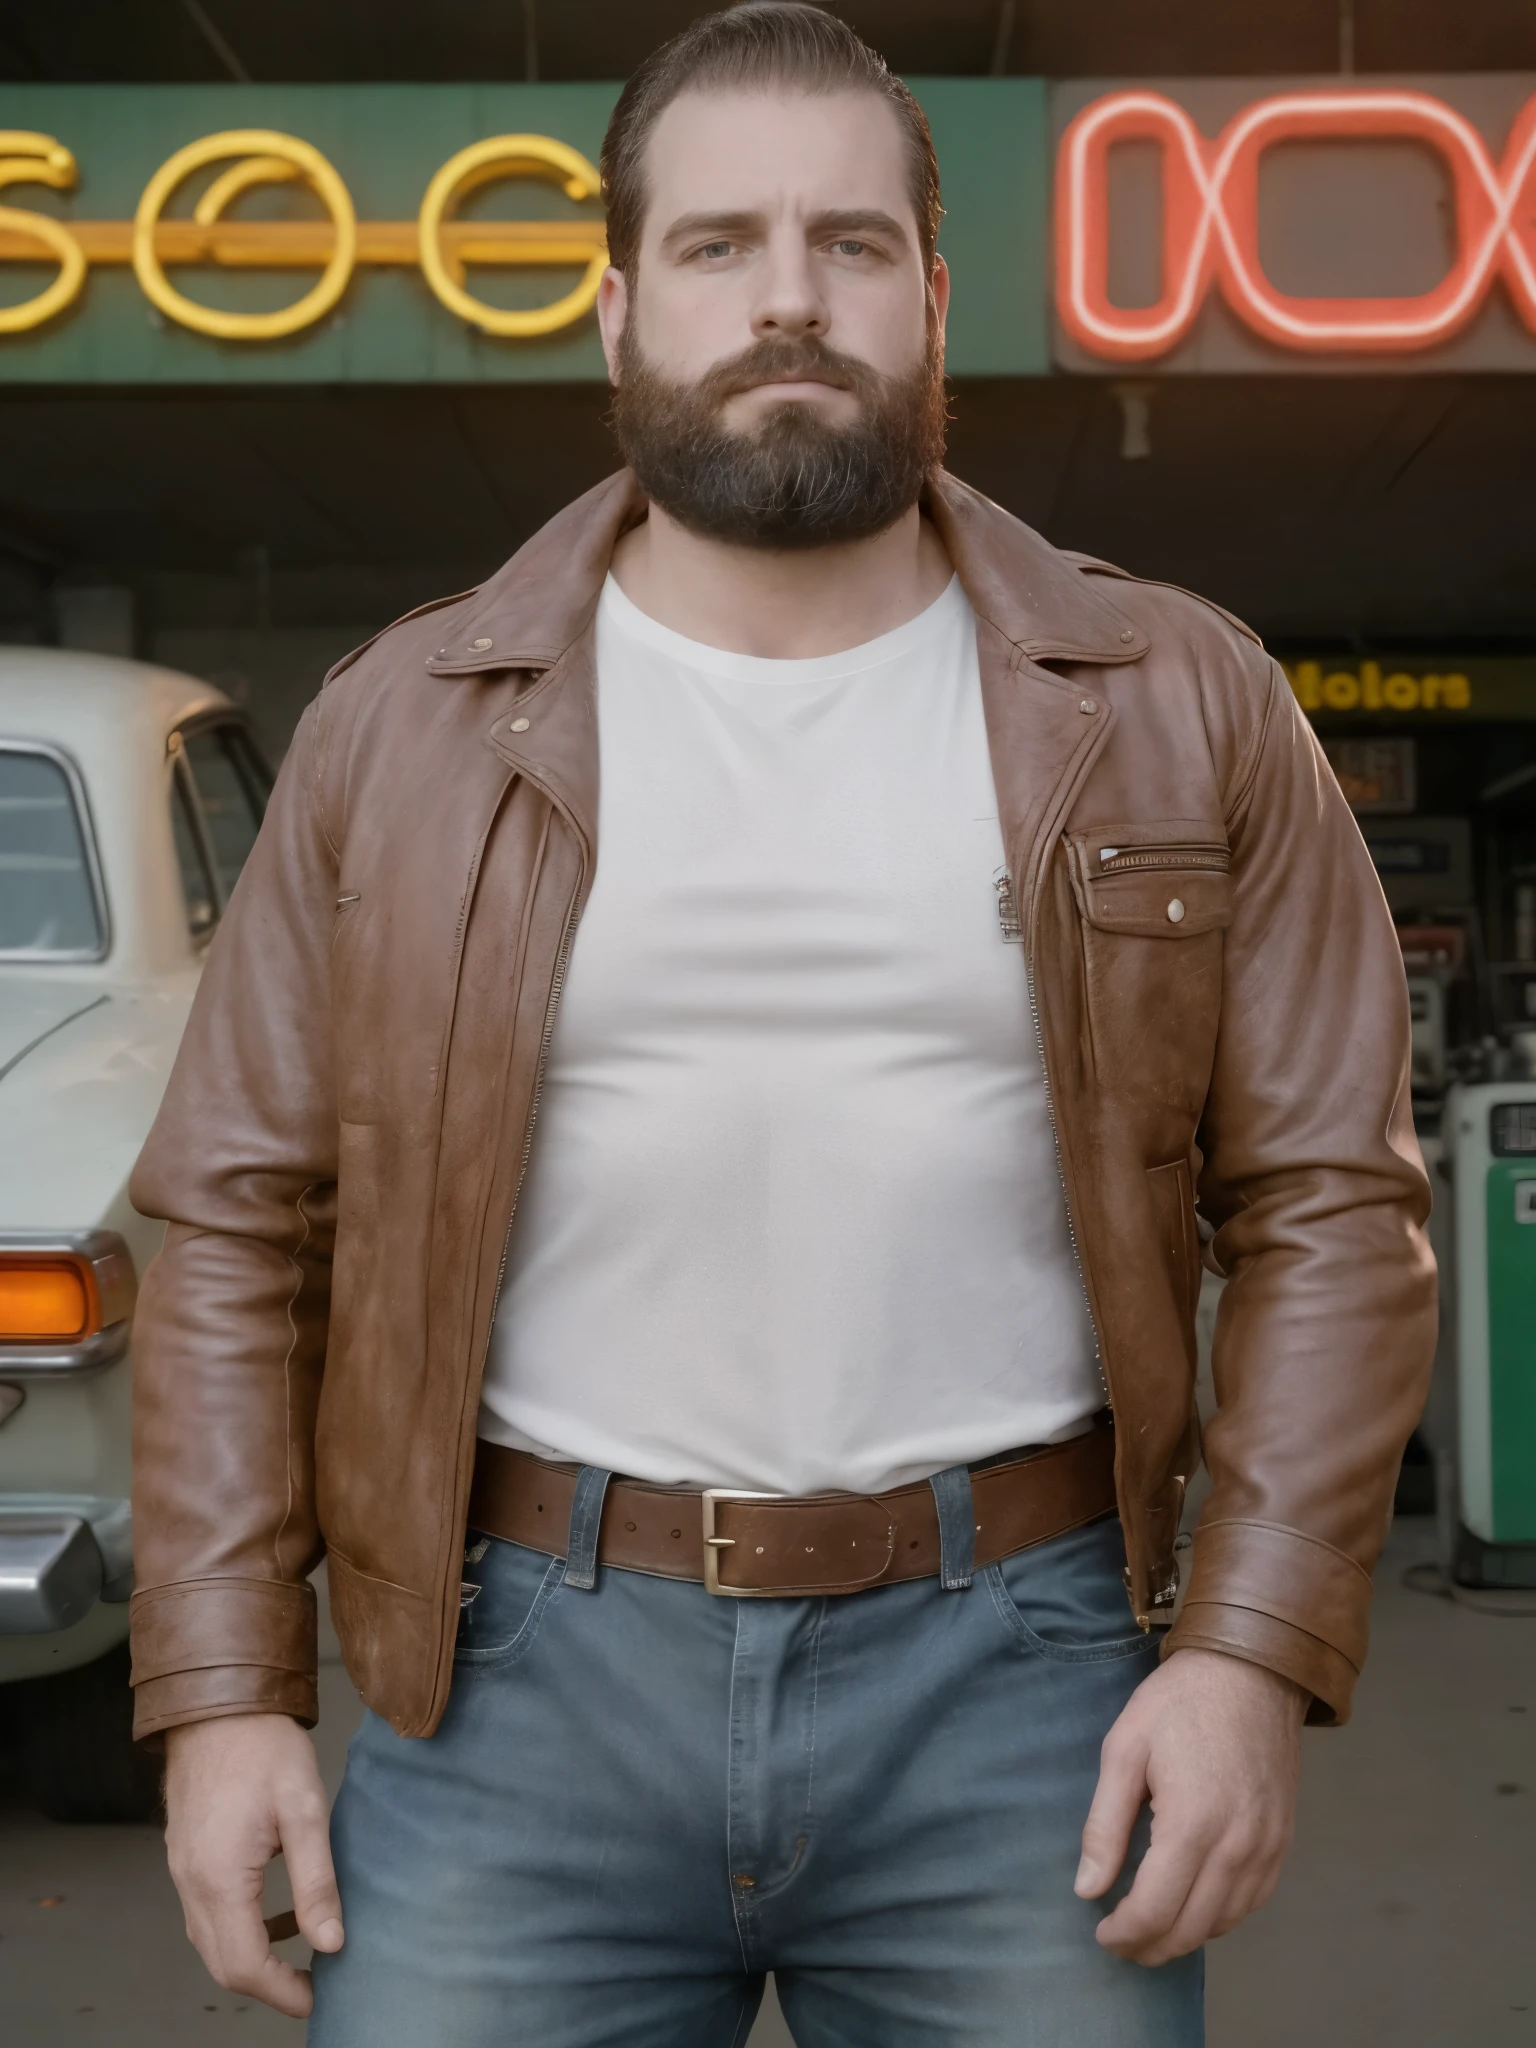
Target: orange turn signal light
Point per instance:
(43, 1298)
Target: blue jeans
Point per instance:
(642, 1798)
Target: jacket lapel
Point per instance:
(534, 621)
(1031, 606)
(535, 617)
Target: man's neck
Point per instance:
(787, 604)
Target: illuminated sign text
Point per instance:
(1366, 688)
(443, 247)
(1210, 222)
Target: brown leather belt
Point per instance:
(760, 1545)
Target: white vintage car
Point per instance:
(129, 799)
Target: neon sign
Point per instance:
(1365, 688)
(441, 245)
(1211, 219)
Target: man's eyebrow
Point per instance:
(861, 220)
(687, 225)
(857, 220)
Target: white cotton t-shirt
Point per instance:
(792, 1219)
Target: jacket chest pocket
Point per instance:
(1153, 881)
(1154, 900)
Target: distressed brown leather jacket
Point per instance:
(1222, 1016)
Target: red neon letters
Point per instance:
(1210, 223)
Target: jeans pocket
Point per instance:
(1066, 1599)
(504, 1593)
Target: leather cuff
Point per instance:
(161, 1703)
(1261, 1639)
(1285, 1573)
(203, 1648)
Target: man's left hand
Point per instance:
(1215, 1744)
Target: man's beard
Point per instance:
(798, 480)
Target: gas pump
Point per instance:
(1490, 1147)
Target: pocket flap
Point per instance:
(1154, 884)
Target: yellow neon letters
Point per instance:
(507, 156)
(270, 159)
(1367, 689)
(442, 245)
(28, 159)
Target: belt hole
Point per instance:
(541, 1507)
(913, 1544)
(759, 1550)
(677, 1532)
(630, 1527)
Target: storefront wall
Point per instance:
(1269, 337)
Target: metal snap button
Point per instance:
(1127, 634)
(521, 725)
(479, 646)
(1088, 705)
(1176, 912)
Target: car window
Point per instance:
(196, 874)
(48, 899)
(230, 785)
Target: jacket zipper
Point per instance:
(1115, 860)
(1061, 1176)
(1143, 1621)
(562, 961)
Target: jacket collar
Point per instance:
(1021, 585)
(534, 608)
(539, 602)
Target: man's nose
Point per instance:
(789, 300)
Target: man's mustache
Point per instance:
(774, 362)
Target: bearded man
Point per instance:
(708, 1250)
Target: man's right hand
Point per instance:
(237, 1792)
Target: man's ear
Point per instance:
(612, 312)
(938, 285)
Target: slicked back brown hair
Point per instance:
(762, 46)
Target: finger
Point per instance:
(304, 1830)
(1117, 1800)
(1223, 1893)
(282, 1987)
(1251, 1885)
(230, 1936)
(1156, 1898)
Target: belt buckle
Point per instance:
(714, 1544)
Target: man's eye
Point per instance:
(847, 247)
(716, 249)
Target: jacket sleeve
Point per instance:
(229, 1340)
(1312, 1176)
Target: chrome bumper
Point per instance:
(58, 1558)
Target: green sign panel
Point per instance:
(402, 234)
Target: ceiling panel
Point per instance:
(1348, 508)
(1432, 35)
(278, 41)
(1341, 508)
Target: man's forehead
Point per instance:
(740, 151)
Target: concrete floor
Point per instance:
(1405, 1919)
